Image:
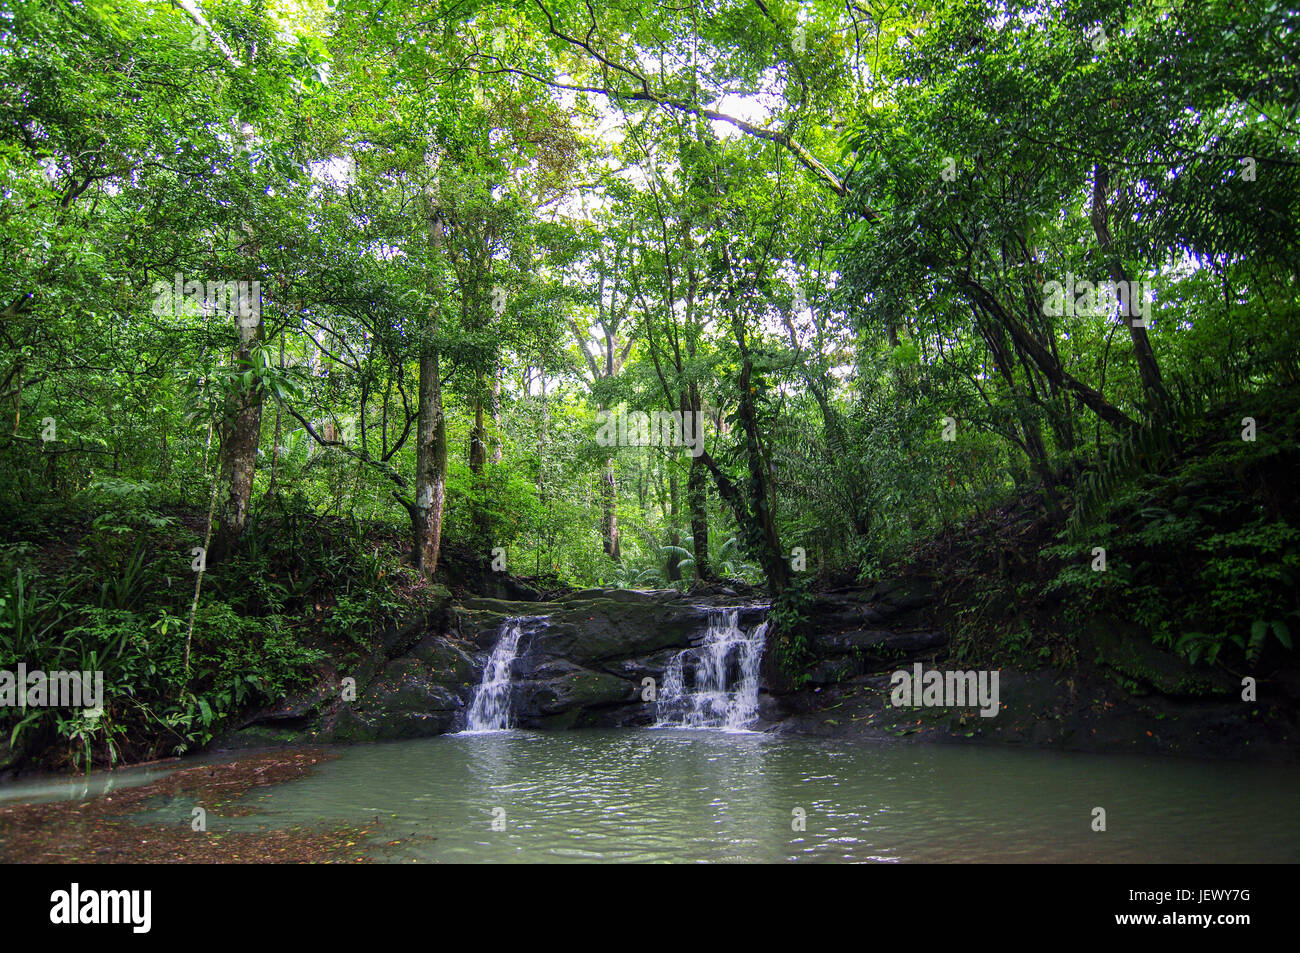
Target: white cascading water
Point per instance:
(723, 690)
(490, 710)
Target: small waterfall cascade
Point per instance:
(715, 684)
(490, 710)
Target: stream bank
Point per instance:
(587, 666)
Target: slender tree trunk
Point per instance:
(478, 433)
(760, 527)
(1146, 358)
(752, 507)
(763, 528)
(198, 579)
(275, 444)
(854, 479)
(18, 397)
(1042, 357)
(496, 416)
(240, 432)
(430, 466)
(697, 495)
(478, 452)
(763, 539)
(431, 426)
(609, 511)
(674, 534)
(1038, 458)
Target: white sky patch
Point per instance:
(586, 204)
(755, 108)
(337, 172)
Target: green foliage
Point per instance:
(252, 636)
(853, 299)
(789, 632)
(1205, 556)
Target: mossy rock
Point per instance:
(350, 726)
(259, 736)
(602, 629)
(573, 687)
(445, 662)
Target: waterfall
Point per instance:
(715, 684)
(490, 710)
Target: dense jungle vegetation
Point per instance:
(309, 307)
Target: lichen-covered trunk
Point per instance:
(430, 425)
(609, 511)
(430, 467)
(240, 432)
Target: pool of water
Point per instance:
(693, 796)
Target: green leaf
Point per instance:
(1258, 632)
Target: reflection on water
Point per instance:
(78, 787)
(665, 795)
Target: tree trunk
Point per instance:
(1146, 358)
(697, 495)
(478, 433)
(430, 466)
(674, 535)
(1043, 359)
(240, 432)
(431, 425)
(275, 442)
(763, 538)
(753, 506)
(478, 452)
(496, 416)
(609, 511)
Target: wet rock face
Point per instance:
(851, 634)
(421, 693)
(582, 667)
(878, 643)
